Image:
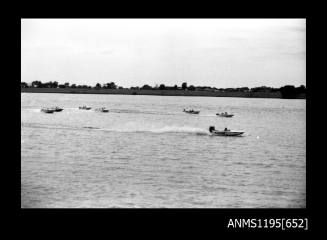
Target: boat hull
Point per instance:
(226, 133)
(227, 116)
(47, 111)
(102, 110)
(194, 112)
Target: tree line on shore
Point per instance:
(287, 91)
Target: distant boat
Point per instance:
(224, 115)
(57, 109)
(191, 111)
(225, 132)
(47, 110)
(101, 109)
(85, 108)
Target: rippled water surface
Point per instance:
(147, 153)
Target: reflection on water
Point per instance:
(147, 153)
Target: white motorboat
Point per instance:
(225, 132)
(47, 110)
(224, 115)
(101, 109)
(84, 108)
(191, 111)
(57, 109)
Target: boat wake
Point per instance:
(162, 130)
(125, 129)
(207, 115)
(139, 112)
(176, 129)
(34, 110)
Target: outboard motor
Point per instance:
(211, 128)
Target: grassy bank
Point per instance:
(157, 92)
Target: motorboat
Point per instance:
(225, 132)
(84, 108)
(191, 111)
(47, 110)
(225, 114)
(57, 109)
(101, 109)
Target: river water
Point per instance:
(147, 153)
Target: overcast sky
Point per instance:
(133, 52)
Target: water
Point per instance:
(147, 153)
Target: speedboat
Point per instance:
(225, 132)
(191, 111)
(57, 109)
(101, 109)
(47, 110)
(224, 115)
(85, 108)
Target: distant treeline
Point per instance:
(288, 91)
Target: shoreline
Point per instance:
(159, 92)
